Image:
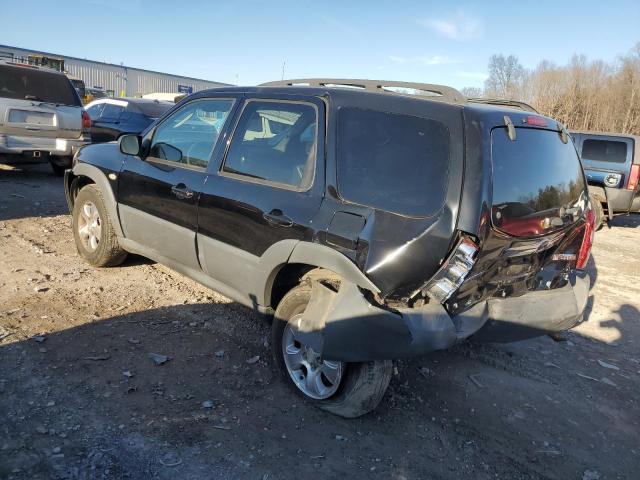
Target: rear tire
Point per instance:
(361, 386)
(598, 212)
(95, 238)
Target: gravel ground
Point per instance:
(81, 397)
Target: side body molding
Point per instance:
(100, 179)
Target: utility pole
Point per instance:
(283, 64)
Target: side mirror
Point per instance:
(129, 144)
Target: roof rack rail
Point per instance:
(431, 91)
(510, 103)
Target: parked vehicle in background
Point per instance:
(167, 97)
(372, 224)
(80, 87)
(93, 93)
(611, 163)
(41, 115)
(111, 118)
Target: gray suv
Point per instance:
(41, 115)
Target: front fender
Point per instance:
(105, 185)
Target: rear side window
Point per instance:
(392, 162)
(25, 83)
(604, 150)
(538, 184)
(94, 111)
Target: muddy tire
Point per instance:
(355, 391)
(598, 212)
(95, 238)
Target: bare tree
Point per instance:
(583, 95)
(506, 77)
(472, 92)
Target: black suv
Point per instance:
(373, 220)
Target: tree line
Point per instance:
(583, 95)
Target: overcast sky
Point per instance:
(247, 42)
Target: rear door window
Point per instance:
(604, 150)
(538, 183)
(275, 142)
(24, 83)
(392, 162)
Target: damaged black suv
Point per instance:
(372, 220)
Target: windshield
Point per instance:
(538, 184)
(153, 109)
(24, 83)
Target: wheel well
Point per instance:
(292, 274)
(76, 184)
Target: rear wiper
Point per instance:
(33, 98)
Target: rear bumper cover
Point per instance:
(618, 200)
(345, 326)
(63, 147)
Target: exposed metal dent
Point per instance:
(354, 330)
(326, 257)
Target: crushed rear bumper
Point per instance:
(345, 326)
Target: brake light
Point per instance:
(535, 121)
(587, 240)
(632, 184)
(453, 272)
(86, 122)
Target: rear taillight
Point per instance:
(86, 122)
(632, 184)
(587, 240)
(453, 272)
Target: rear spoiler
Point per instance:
(509, 103)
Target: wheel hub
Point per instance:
(89, 226)
(314, 376)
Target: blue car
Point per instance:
(113, 117)
(611, 162)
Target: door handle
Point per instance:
(276, 217)
(182, 191)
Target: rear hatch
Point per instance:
(536, 221)
(38, 103)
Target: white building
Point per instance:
(118, 80)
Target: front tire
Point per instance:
(95, 238)
(345, 389)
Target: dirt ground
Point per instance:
(81, 398)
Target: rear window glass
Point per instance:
(604, 150)
(153, 109)
(397, 163)
(26, 83)
(538, 184)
